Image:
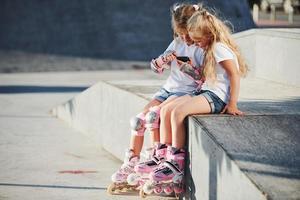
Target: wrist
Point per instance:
(232, 103)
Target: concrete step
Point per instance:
(216, 171)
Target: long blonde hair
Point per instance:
(204, 24)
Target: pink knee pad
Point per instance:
(152, 118)
(137, 125)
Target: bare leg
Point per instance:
(165, 125)
(136, 142)
(155, 136)
(191, 105)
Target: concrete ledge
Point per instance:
(250, 157)
(272, 54)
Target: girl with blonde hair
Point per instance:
(223, 67)
(178, 84)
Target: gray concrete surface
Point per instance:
(38, 152)
(234, 152)
(19, 61)
(211, 174)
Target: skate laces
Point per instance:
(173, 162)
(168, 167)
(149, 152)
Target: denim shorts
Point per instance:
(163, 94)
(216, 104)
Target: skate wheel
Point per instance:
(142, 193)
(148, 188)
(168, 190)
(132, 179)
(158, 190)
(111, 188)
(125, 189)
(178, 189)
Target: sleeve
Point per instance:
(222, 53)
(172, 46)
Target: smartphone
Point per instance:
(183, 58)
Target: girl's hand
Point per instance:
(232, 110)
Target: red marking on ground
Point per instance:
(76, 172)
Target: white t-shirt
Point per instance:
(221, 86)
(179, 81)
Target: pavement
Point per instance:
(41, 157)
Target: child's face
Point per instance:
(201, 42)
(184, 35)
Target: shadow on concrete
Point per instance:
(16, 89)
(190, 185)
(52, 186)
(215, 159)
(287, 106)
(272, 148)
(261, 146)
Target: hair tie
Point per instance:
(176, 7)
(208, 14)
(196, 7)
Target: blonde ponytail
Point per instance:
(204, 24)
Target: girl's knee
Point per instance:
(178, 114)
(165, 110)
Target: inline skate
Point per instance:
(168, 177)
(119, 178)
(143, 169)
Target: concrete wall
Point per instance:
(272, 54)
(214, 175)
(109, 29)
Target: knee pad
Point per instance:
(152, 118)
(137, 124)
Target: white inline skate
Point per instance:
(119, 178)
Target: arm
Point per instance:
(234, 77)
(162, 62)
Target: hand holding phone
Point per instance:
(183, 58)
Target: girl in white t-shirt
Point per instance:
(178, 84)
(223, 66)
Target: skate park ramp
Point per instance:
(255, 156)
